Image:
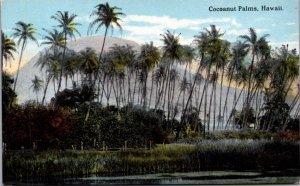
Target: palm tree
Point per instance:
(23, 32)
(88, 62)
(172, 52)
(107, 16)
(255, 44)
(37, 85)
(148, 58)
(8, 47)
(49, 61)
(54, 39)
(68, 26)
(239, 52)
(202, 44)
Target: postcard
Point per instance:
(150, 92)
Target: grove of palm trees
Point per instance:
(213, 105)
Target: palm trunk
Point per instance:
(221, 91)
(62, 64)
(90, 102)
(192, 89)
(19, 64)
(45, 90)
(151, 90)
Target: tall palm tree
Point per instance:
(68, 25)
(23, 32)
(149, 57)
(239, 52)
(172, 53)
(49, 60)
(8, 47)
(255, 43)
(202, 43)
(54, 39)
(37, 85)
(50, 64)
(107, 16)
(88, 62)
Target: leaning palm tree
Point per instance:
(202, 43)
(239, 52)
(23, 32)
(255, 44)
(37, 85)
(68, 26)
(8, 47)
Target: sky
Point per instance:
(146, 20)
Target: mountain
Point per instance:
(28, 71)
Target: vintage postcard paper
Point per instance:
(150, 92)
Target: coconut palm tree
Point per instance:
(8, 47)
(107, 16)
(255, 45)
(36, 86)
(68, 25)
(239, 52)
(55, 40)
(202, 44)
(172, 53)
(23, 32)
(88, 62)
(149, 57)
(49, 63)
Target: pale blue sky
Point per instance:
(147, 19)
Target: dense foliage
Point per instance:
(261, 155)
(43, 127)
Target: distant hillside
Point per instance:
(29, 70)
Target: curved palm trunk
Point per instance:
(19, 64)
(45, 90)
(247, 102)
(228, 120)
(226, 97)
(62, 65)
(192, 89)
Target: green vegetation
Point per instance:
(112, 121)
(203, 156)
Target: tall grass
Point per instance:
(204, 155)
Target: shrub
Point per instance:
(32, 125)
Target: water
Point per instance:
(205, 177)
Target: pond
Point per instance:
(204, 177)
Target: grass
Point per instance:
(230, 154)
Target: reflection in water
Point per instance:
(207, 177)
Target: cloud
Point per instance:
(238, 32)
(292, 44)
(290, 23)
(144, 28)
(84, 18)
(174, 23)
